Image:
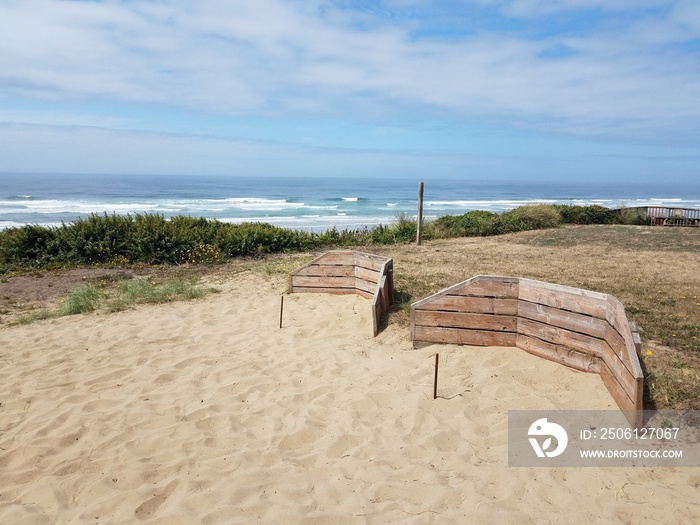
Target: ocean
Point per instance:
(304, 203)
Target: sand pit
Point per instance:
(207, 412)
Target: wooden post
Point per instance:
(281, 308)
(419, 231)
(437, 359)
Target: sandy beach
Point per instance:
(208, 412)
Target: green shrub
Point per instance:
(259, 238)
(345, 237)
(154, 240)
(95, 239)
(529, 217)
(594, 214)
(471, 224)
(633, 216)
(27, 246)
(401, 231)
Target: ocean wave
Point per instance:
(19, 197)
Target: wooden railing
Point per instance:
(350, 272)
(585, 330)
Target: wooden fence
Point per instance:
(585, 330)
(350, 272)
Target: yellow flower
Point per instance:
(649, 352)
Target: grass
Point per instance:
(83, 299)
(142, 291)
(126, 294)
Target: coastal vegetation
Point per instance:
(153, 239)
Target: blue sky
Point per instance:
(482, 89)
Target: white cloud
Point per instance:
(624, 76)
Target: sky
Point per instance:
(579, 90)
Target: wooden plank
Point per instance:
(617, 317)
(329, 281)
(382, 297)
(366, 286)
(572, 321)
(364, 294)
(324, 289)
(624, 347)
(570, 357)
(343, 257)
(489, 286)
(317, 270)
(617, 343)
(384, 290)
(379, 306)
(560, 336)
(620, 370)
(622, 398)
(631, 406)
(371, 276)
(433, 334)
(376, 316)
(438, 295)
(504, 323)
(369, 261)
(389, 273)
(477, 305)
(412, 322)
(564, 298)
(636, 338)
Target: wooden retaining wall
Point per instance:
(350, 272)
(585, 330)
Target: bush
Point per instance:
(345, 237)
(259, 238)
(594, 214)
(95, 239)
(403, 230)
(27, 246)
(529, 217)
(633, 216)
(471, 224)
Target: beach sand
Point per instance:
(207, 412)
